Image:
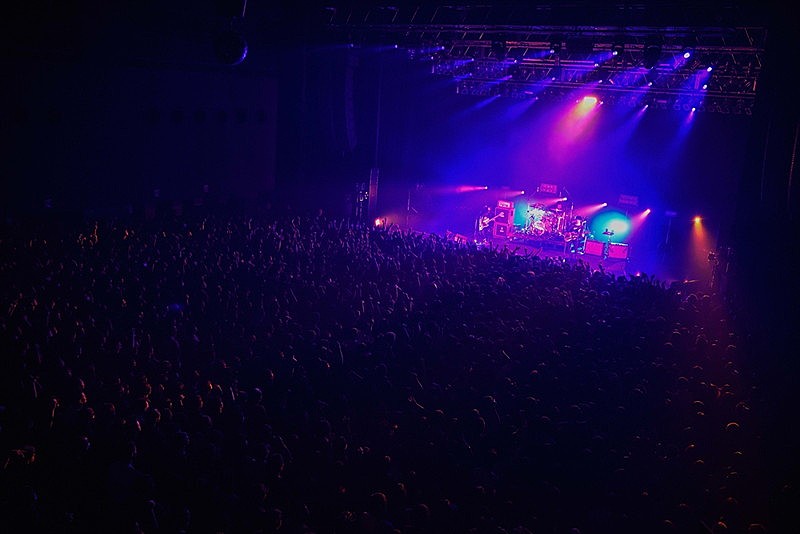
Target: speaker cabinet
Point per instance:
(504, 215)
(618, 251)
(593, 248)
(502, 230)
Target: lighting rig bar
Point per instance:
(624, 62)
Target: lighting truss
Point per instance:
(504, 55)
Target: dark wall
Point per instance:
(105, 104)
(86, 136)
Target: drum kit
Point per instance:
(553, 224)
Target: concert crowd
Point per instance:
(283, 373)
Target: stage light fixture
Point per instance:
(499, 49)
(652, 53)
(230, 47)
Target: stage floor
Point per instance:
(622, 259)
(558, 248)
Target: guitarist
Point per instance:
(485, 223)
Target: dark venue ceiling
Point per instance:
(481, 42)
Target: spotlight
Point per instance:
(555, 46)
(687, 53)
(617, 49)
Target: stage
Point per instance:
(561, 249)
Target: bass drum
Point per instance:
(550, 222)
(538, 228)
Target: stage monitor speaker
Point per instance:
(593, 248)
(618, 251)
(501, 230)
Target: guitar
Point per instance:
(484, 222)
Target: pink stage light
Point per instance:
(640, 217)
(470, 188)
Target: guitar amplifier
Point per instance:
(593, 248)
(504, 215)
(618, 251)
(502, 230)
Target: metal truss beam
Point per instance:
(516, 45)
